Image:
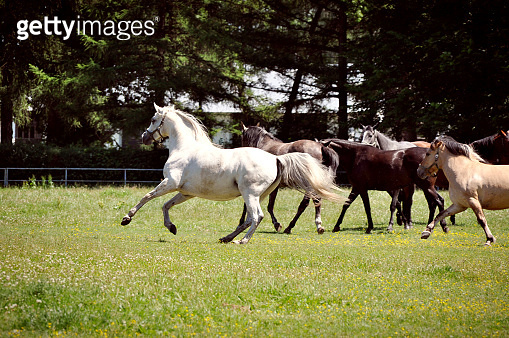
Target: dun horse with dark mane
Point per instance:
(472, 183)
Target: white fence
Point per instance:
(68, 178)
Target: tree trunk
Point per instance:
(6, 108)
(343, 75)
(290, 104)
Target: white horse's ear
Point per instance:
(244, 128)
(258, 124)
(157, 107)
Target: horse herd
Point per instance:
(477, 175)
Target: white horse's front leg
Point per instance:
(163, 188)
(177, 199)
(452, 210)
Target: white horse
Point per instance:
(198, 168)
(377, 139)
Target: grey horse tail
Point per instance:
(303, 172)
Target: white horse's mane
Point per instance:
(199, 130)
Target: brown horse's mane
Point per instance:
(457, 148)
(253, 136)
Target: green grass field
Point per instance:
(68, 268)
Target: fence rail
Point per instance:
(67, 178)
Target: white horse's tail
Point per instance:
(303, 172)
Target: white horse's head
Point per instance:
(369, 136)
(155, 132)
(172, 123)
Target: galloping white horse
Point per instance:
(472, 183)
(198, 168)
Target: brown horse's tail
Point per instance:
(302, 172)
(330, 159)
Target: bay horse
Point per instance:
(198, 168)
(377, 139)
(258, 137)
(369, 168)
(493, 149)
(472, 183)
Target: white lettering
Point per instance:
(22, 29)
(68, 28)
(35, 27)
(54, 26)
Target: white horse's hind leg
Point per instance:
(163, 188)
(254, 217)
(177, 199)
(255, 214)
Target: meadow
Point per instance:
(68, 268)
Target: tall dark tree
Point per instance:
(438, 66)
(300, 40)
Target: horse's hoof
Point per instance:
(126, 220)
(278, 227)
(490, 241)
(288, 231)
(425, 234)
(172, 228)
(320, 230)
(336, 229)
(368, 231)
(224, 240)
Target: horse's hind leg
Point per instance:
(177, 199)
(270, 209)
(254, 217)
(394, 205)
(318, 215)
(163, 188)
(243, 217)
(367, 209)
(302, 206)
(481, 219)
(353, 195)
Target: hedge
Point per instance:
(44, 156)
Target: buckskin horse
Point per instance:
(472, 183)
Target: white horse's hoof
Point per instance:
(320, 230)
(425, 234)
(126, 220)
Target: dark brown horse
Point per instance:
(258, 137)
(369, 168)
(493, 149)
